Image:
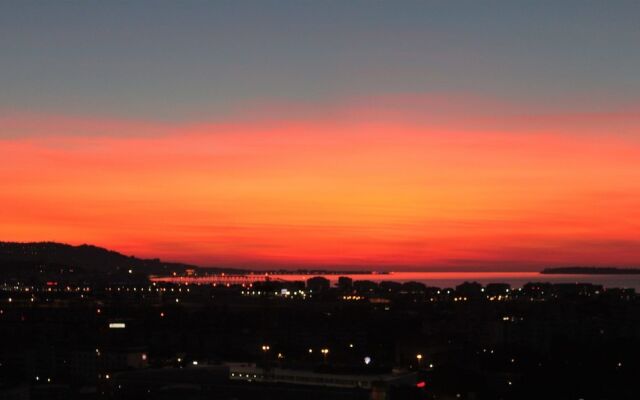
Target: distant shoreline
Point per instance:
(590, 271)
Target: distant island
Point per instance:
(590, 271)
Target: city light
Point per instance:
(325, 353)
(458, 179)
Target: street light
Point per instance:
(265, 352)
(324, 352)
(419, 358)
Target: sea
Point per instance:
(452, 279)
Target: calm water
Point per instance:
(516, 279)
(438, 279)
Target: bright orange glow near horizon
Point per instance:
(458, 189)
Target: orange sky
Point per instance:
(446, 187)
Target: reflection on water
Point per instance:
(451, 279)
(516, 279)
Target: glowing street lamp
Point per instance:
(265, 347)
(419, 358)
(325, 353)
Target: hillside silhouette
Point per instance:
(18, 257)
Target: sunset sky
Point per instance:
(399, 135)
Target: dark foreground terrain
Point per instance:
(65, 337)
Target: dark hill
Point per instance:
(84, 258)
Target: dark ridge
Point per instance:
(85, 257)
(25, 259)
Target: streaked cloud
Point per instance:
(405, 180)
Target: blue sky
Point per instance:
(169, 60)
